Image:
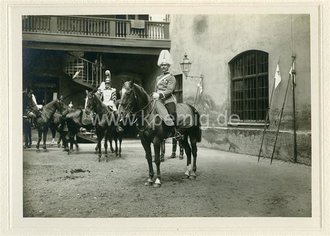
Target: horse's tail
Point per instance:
(197, 124)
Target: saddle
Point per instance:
(185, 115)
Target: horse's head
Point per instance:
(129, 99)
(89, 102)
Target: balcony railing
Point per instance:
(96, 27)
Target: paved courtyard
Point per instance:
(77, 185)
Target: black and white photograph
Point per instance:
(143, 115)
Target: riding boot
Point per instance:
(177, 135)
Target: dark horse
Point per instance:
(43, 118)
(105, 122)
(75, 120)
(135, 101)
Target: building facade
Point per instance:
(238, 56)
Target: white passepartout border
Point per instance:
(12, 221)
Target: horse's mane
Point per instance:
(103, 106)
(141, 90)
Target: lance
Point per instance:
(281, 114)
(266, 119)
(293, 72)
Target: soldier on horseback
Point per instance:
(108, 95)
(165, 86)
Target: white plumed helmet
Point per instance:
(164, 58)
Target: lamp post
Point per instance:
(185, 68)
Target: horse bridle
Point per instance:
(148, 104)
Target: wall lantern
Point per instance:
(185, 68)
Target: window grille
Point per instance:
(249, 86)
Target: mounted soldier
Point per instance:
(108, 96)
(165, 86)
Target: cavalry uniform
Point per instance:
(109, 96)
(165, 86)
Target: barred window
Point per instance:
(249, 85)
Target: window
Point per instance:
(249, 85)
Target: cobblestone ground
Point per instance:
(77, 185)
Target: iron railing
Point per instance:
(95, 27)
(84, 70)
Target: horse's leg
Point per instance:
(181, 151)
(157, 146)
(44, 136)
(116, 146)
(53, 130)
(147, 149)
(187, 149)
(39, 137)
(162, 150)
(106, 139)
(120, 140)
(29, 134)
(193, 143)
(71, 141)
(65, 140)
(25, 133)
(100, 135)
(111, 147)
(76, 142)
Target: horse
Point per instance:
(75, 120)
(136, 101)
(104, 121)
(57, 124)
(43, 118)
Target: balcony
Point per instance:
(93, 34)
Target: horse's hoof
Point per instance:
(181, 157)
(38, 150)
(119, 155)
(156, 185)
(193, 175)
(149, 182)
(45, 150)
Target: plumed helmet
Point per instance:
(165, 58)
(108, 80)
(107, 73)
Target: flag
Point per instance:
(277, 76)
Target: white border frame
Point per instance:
(12, 221)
